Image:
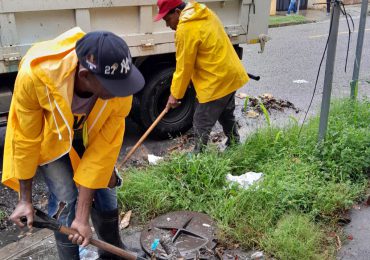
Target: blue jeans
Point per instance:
(63, 195)
(292, 6)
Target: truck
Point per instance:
(23, 23)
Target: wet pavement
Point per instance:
(356, 246)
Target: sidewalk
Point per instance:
(313, 15)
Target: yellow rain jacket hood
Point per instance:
(40, 124)
(205, 55)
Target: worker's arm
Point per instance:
(81, 221)
(24, 207)
(186, 52)
(26, 122)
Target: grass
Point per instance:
(295, 237)
(303, 183)
(277, 20)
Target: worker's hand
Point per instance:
(113, 181)
(172, 102)
(23, 209)
(84, 234)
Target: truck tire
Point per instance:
(153, 100)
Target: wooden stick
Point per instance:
(145, 135)
(101, 245)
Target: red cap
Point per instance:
(165, 6)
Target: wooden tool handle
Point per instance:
(101, 244)
(145, 135)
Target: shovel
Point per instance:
(42, 220)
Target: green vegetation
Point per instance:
(295, 237)
(305, 186)
(278, 20)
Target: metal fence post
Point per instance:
(329, 70)
(360, 41)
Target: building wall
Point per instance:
(273, 7)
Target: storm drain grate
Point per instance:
(191, 234)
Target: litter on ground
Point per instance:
(245, 180)
(153, 159)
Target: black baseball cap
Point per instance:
(108, 57)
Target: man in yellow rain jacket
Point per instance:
(67, 119)
(204, 55)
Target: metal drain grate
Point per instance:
(193, 234)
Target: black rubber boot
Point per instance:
(66, 250)
(233, 138)
(106, 227)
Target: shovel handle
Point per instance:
(46, 222)
(101, 244)
(145, 135)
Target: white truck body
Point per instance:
(25, 22)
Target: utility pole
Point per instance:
(329, 70)
(360, 41)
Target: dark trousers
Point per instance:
(206, 116)
(328, 6)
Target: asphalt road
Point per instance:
(294, 53)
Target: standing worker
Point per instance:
(204, 55)
(67, 119)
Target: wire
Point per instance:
(344, 12)
(323, 55)
(318, 74)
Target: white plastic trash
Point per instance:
(154, 159)
(245, 180)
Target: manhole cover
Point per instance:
(192, 233)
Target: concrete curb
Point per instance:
(291, 23)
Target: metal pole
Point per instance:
(328, 80)
(360, 41)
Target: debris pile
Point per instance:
(252, 106)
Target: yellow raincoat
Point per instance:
(205, 55)
(40, 124)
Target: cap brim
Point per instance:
(132, 84)
(159, 16)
